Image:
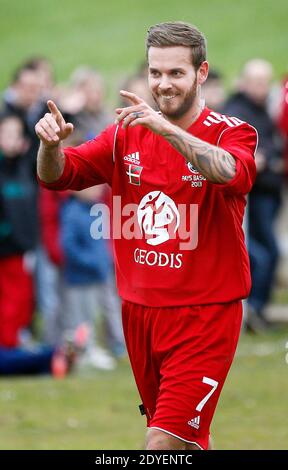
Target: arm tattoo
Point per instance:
(217, 165)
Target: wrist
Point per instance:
(166, 128)
(50, 148)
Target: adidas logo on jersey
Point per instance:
(195, 422)
(133, 158)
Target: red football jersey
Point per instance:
(178, 238)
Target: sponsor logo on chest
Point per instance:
(195, 178)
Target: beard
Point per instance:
(182, 108)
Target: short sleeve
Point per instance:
(241, 142)
(88, 164)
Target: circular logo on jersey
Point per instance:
(158, 217)
(192, 168)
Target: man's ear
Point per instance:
(202, 72)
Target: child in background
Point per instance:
(18, 230)
(88, 268)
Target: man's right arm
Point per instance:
(51, 130)
(61, 168)
(50, 163)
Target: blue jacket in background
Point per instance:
(86, 260)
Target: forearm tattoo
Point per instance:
(217, 165)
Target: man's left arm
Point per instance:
(215, 163)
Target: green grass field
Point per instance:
(110, 35)
(100, 410)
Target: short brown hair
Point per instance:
(177, 33)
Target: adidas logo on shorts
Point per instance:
(195, 422)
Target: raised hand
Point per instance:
(140, 113)
(52, 128)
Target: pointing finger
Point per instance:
(54, 110)
(131, 96)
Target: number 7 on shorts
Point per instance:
(214, 385)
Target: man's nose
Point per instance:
(165, 83)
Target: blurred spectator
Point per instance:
(250, 104)
(50, 258)
(93, 116)
(42, 359)
(24, 98)
(142, 70)
(213, 91)
(68, 99)
(138, 84)
(283, 122)
(87, 275)
(82, 102)
(24, 91)
(43, 67)
(39, 360)
(18, 230)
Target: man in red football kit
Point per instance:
(185, 166)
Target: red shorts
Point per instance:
(180, 358)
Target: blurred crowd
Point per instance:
(57, 283)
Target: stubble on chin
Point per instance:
(183, 107)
